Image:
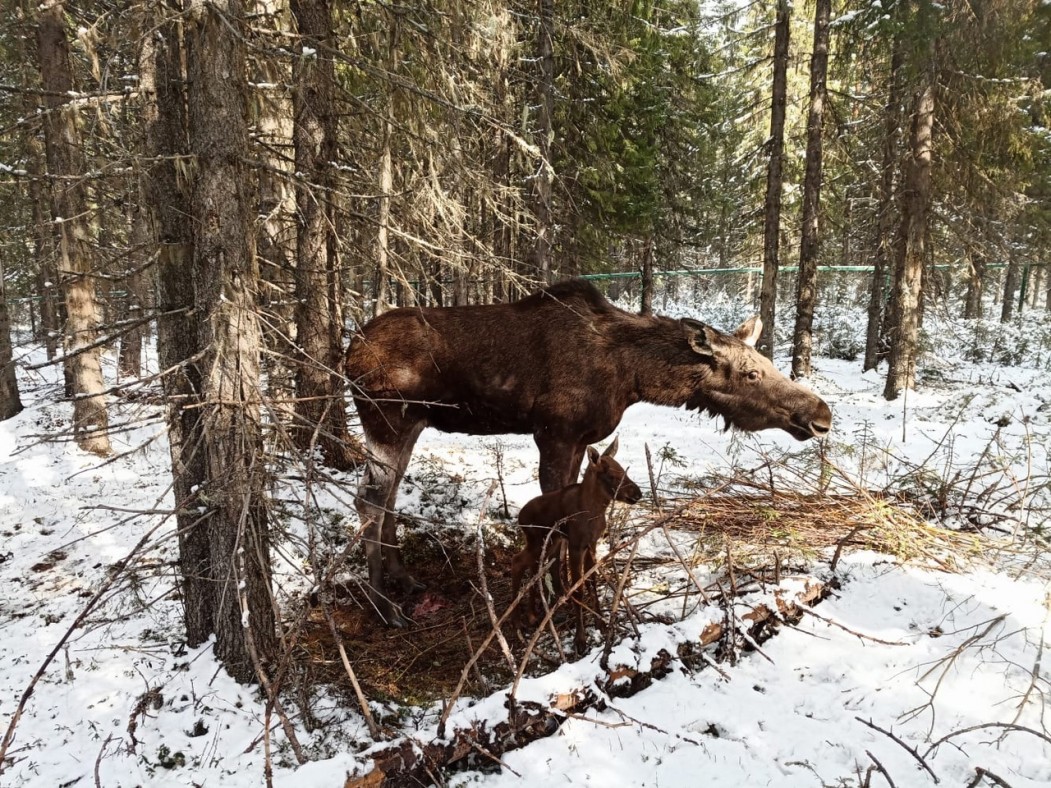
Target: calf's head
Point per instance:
(612, 478)
(743, 386)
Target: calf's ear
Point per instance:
(749, 331)
(593, 455)
(611, 450)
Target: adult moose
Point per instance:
(561, 365)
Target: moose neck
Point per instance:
(592, 492)
(655, 357)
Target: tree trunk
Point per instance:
(10, 401)
(161, 80)
(874, 333)
(226, 280)
(545, 99)
(977, 268)
(806, 281)
(911, 244)
(276, 226)
(69, 207)
(1012, 278)
(772, 219)
(52, 314)
(129, 364)
(321, 417)
(975, 285)
(386, 186)
(647, 278)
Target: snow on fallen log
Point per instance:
(742, 625)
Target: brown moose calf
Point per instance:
(576, 514)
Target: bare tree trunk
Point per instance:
(806, 281)
(52, 315)
(10, 401)
(386, 186)
(227, 280)
(545, 99)
(161, 79)
(321, 416)
(975, 285)
(978, 266)
(129, 363)
(885, 208)
(772, 220)
(69, 207)
(647, 278)
(1012, 278)
(276, 226)
(911, 252)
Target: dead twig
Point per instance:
(980, 774)
(856, 634)
(1010, 726)
(910, 750)
(880, 768)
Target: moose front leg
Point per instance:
(376, 500)
(560, 462)
(377, 484)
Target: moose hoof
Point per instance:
(410, 585)
(391, 615)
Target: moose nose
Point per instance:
(820, 428)
(822, 423)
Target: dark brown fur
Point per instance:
(577, 515)
(562, 365)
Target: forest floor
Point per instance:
(926, 519)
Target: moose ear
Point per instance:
(749, 331)
(698, 335)
(593, 455)
(611, 450)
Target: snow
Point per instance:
(915, 650)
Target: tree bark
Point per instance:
(911, 244)
(647, 278)
(977, 269)
(10, 401)
(275, 228)
(69, 208)
(52, 312)
(1012, 278)
(877, 327)
(321, 417)
(386, 186)
(162, 82)
(772, 215)
(545, 99)
(226, 280)
(806, 281)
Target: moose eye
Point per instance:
(754, 376)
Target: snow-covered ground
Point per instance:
(124, 702)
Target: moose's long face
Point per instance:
(745, 388)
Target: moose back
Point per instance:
(561, 365)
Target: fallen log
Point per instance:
(410, 762)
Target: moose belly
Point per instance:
(479, 419)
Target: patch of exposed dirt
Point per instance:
(424, 661)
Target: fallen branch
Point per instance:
(410, 762)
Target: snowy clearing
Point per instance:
(949, 662)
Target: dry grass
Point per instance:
(803, 527)
(760, 533)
